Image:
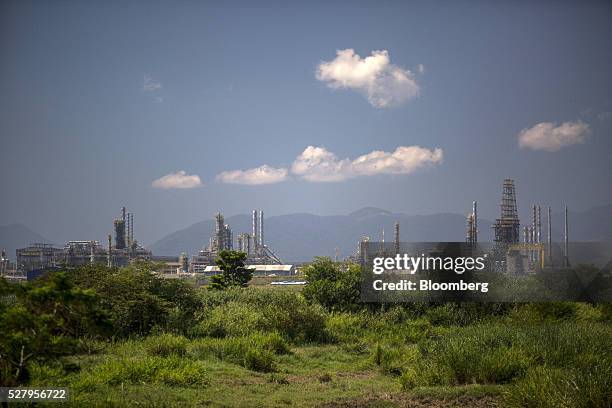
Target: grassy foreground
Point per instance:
(256, 347)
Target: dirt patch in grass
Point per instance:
(404, 401)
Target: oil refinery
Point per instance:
(514, 250)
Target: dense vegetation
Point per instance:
(126, 336)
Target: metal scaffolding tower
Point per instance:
(507, 226)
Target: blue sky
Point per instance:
(99, 99)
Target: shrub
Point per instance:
(242, 311)
(259, 360)
(42, 322)
(334, 286)
(136, 299)
(165, 345)
(231, 319)
(393, 359)
(409, 379)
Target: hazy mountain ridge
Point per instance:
(14, 236)
(299, 237)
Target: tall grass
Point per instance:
(172, 370)
(240, 312)
(255, 352)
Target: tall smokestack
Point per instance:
(539, 229)
(129, 232)
(475, 222)
(550, 262)
(565, 240)
(92, 253)
(397, 238)
(534, 224)
(261, 229)
(255, 231)
(109, 256)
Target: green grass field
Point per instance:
(268, 348)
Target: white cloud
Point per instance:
(549, 137)
(383, 83)
(320, 165)
(180, 179)
(259, 175)
(150, 85)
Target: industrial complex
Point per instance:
(38, 257)
(508, 252)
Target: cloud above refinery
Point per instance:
(317, 164)
(179, 179)
(320, 165)
(381, 82)
(549, 137)
(260, 175)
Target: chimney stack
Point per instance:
(261, 229)
(255, 231)
(566, 240)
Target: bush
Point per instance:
(409, 379)
(42, 323)
(165, 345)
(332, 285)
(136, 299)
(231, 319)
(393, 359)
(242, 311)
(259, 360)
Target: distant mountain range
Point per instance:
(299, 237)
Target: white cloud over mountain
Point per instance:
(384, 84)
(319, 164)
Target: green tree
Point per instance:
(234, 273)
(41, 321)
(333, 285)
(138, 299)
